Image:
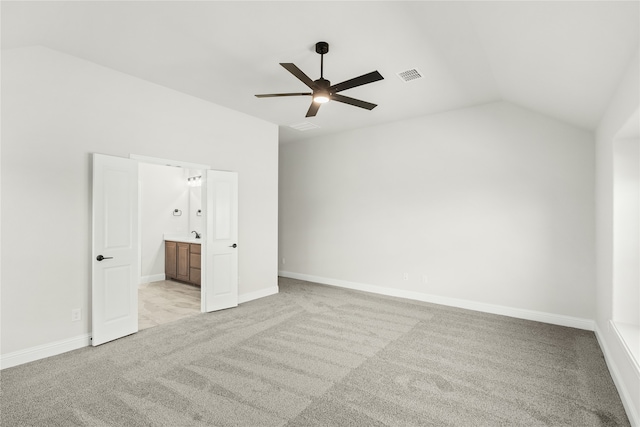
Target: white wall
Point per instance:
(162, 190)
(56, 111)
(626, 232)
(195, 204)
(626, 371)
(493, 204)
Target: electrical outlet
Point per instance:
(424, 278)
(284, 261)
(405, 276)
(76, 314)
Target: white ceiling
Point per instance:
(562, 59)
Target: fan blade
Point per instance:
(371, 77)
(315, 106)
(353, 101)
(271, 95)
(299, 74)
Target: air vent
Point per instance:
(410, 75)
(304, 126)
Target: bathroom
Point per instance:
(170, 207)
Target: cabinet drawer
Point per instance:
(195, 248)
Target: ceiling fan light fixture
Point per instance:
(321, 97)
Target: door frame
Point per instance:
(168, 162)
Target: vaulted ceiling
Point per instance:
(561, 59)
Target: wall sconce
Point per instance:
(177, 212)
(194, 181)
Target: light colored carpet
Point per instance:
(314, 355)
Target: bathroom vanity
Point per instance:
(182, 261)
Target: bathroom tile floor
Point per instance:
(166, 301)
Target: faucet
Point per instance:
(197, 234)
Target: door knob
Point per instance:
(100, 257)
(233, 246)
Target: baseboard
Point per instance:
(626, 342)
(41, 351)
(538, 316)
(152, 278)
(52, 349)
(257, 294)
(630, 405)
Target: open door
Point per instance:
(114, 257)
(220, 252)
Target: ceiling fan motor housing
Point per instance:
(322, 92)
(322, 83)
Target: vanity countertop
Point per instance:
(182, 238)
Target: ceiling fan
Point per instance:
(322, 89)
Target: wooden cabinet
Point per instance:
(182, 261)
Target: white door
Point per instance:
(220, 282)
(114, 258)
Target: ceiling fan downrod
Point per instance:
(322, 48)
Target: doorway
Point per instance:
(116, 248)
(170, 209)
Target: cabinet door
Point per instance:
(170, 258)
(195, 275)
(183, 262)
